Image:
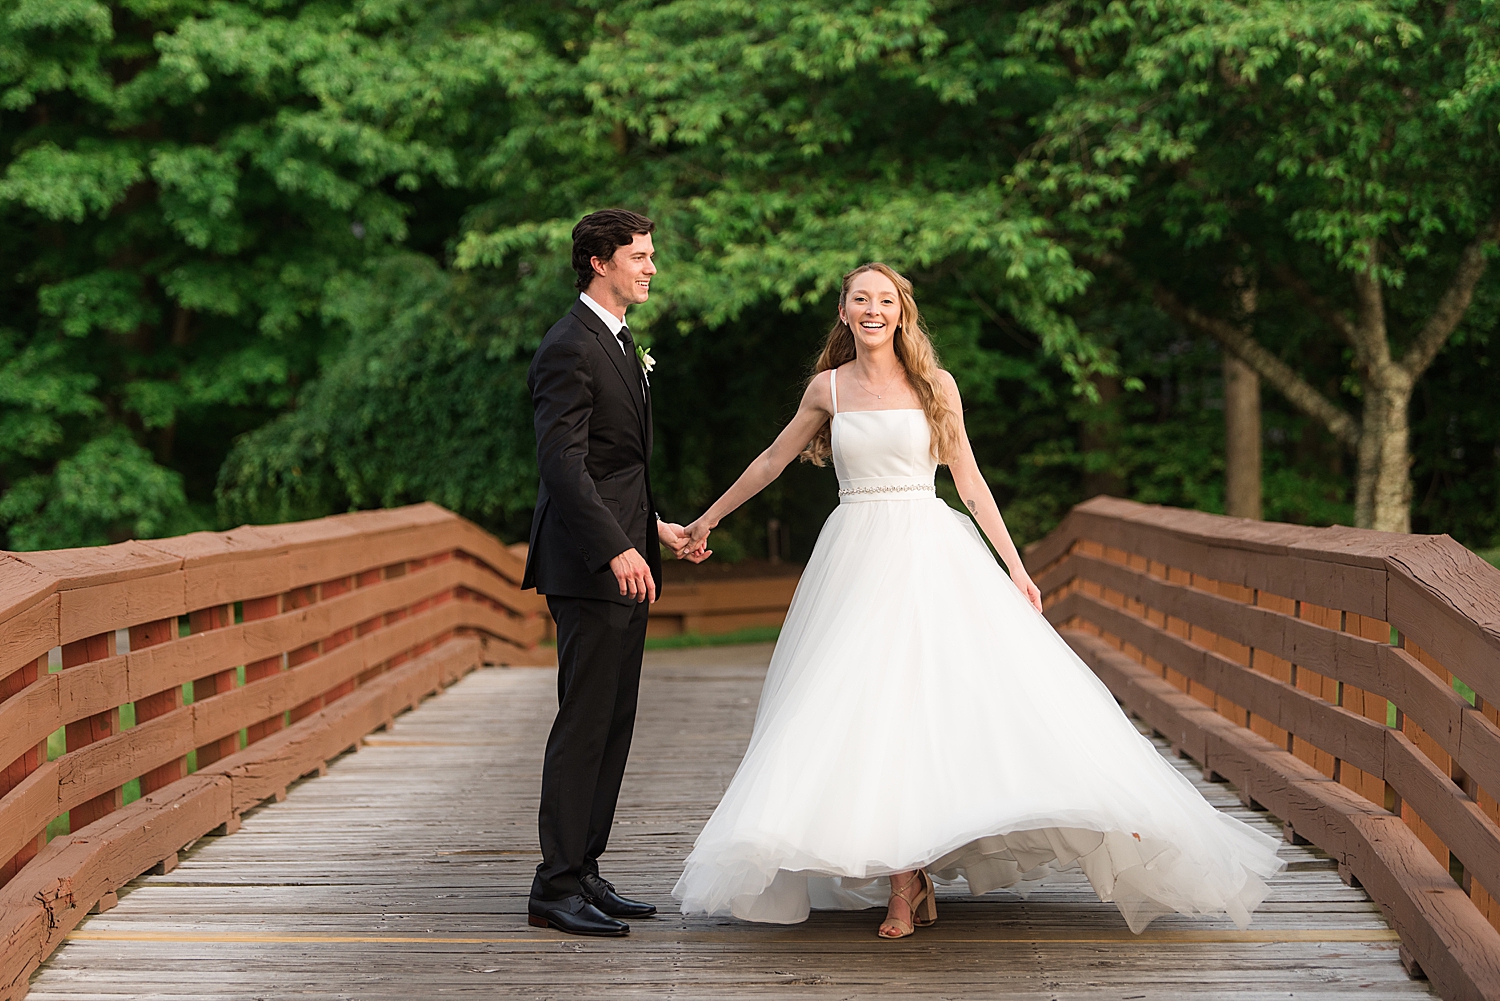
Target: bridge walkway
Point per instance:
(403, 873)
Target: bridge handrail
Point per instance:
(261, 652)
(1276, 655)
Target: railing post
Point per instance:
(253, 609)
(30, 761)
(92, 728)
(147, 635)
(301, 598)
(392, 617)
(332, 589)
(221, 682)
(369, 578)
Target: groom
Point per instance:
(595, 555)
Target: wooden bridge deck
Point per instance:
(403, 874)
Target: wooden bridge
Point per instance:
(1336, 686)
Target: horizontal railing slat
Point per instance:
(100, 685)
(1375, 667)
(105, 764)
(49, 898)
(1455, 946)
(1348, 735)
(134, 583)
(1195, 601)
(30, 633)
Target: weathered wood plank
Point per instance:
(1347, 735)
(1440, 926)
(50, 896)
(98, 686)
(404, 873)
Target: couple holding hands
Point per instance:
(920, 722)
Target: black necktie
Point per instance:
(628, 343)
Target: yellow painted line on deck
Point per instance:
(1022, 937)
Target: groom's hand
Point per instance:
(634, 575)
(677, 539)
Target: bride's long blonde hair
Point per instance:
(915, 352)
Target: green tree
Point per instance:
(300, 253)
(184, 185)
(777, 145)
(1346, 151)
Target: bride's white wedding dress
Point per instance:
(919, 713)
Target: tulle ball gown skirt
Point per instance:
(919, 713)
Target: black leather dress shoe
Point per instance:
(574, 915)
(601, 893)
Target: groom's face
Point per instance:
(628, 273)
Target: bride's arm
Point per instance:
(975, 493)
(815, 410)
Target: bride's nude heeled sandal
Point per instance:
(922, 906)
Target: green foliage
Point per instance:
(183, 188)
(276, 260)
(419, 407)
(1300, 145)
(777, 145)
(110, 488)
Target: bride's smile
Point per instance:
(873, 311)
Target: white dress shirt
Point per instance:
(613, 322)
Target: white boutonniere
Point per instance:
(643, 355)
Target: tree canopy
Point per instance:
(1345, 152)
(275, 259)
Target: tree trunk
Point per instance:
(1242, 461)
(1099, 440)
(1367, 461)
(1242, 458)
(1391, 489)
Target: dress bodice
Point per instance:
(881, 454)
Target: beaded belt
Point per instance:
(884, 491)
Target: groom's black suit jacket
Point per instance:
(593, 450)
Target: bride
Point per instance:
(920, 720)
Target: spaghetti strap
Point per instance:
(833, 387)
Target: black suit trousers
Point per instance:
(599, 649)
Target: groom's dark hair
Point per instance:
(600, 234)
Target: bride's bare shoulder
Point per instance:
(819, 392)
(948, 384)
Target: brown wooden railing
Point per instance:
(712, 607)
(1348, 681)
(252, 656)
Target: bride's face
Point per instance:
(872, 309)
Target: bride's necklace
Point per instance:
(880, 395)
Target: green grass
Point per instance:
(755, 634)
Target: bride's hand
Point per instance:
(1024, 584)
(695, 542)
